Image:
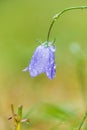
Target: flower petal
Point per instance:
(51, 69)
(26, 69)
(39, 61)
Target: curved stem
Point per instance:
(59, 14)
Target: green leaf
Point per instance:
(56, 112)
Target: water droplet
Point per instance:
(54, 66)
(52, 48)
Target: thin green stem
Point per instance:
(83, 120)
(59, 14)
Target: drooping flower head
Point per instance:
(43, 61)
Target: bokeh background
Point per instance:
(57, 104)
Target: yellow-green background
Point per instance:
(22, 24)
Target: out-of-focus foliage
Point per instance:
(22, 25)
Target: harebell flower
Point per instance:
(43, 61)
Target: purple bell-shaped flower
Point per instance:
(43, 61)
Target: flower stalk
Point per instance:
(17, 118)
(61, 13)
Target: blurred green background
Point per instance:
(58, 104)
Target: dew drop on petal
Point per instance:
(54, 66)
(33, 73)
(52, 48)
